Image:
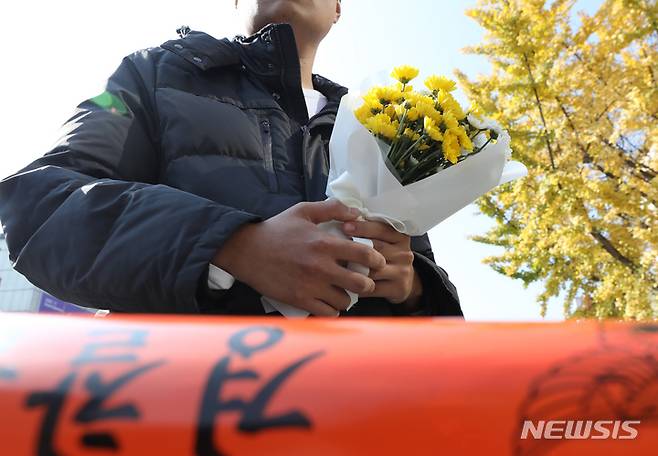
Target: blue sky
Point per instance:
(68, 49)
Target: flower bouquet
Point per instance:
(411, 158)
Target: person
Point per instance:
(196, 182)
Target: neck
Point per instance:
(306, 60)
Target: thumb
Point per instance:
(330, 209)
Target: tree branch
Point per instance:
(649, 69)
(541, 110)
(612, 250)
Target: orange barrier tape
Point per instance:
(269, 386)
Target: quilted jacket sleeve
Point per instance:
(88, 221)
(440, 296)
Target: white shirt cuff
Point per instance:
(218, 279)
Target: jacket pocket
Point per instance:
(268, 161)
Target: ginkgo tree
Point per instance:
(579, 95)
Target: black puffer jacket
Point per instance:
(189, 141)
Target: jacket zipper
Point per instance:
(266, 136)
(305, 134)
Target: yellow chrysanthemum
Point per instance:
(451, 147)
(391, 112)
(411, 134)
(455, 109)
(413, 115)
(427, 109)
(464, 141)
(404, 73)
(432, 130)
(415, 98)
(387, 94)
(363, 113)
(444, 96)
(435, 116)
(435, 83)
(448, 103)
(373, 102)
(450, 121)
(381, 125)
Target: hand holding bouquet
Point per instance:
(411, 158)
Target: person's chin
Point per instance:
(285, 11)
(281, 18)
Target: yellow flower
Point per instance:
(426, 108)
(373, 102)
(404, 73)
(435, 116)
(444, 96)
(411, 134)
(456, 110)
(415, 98)
(464, 140)
(413, 115)
(432, 130)
(381, 125)
(450, 121)
(449, 104)
(391, 112)
(387, 95)
(363, 113)
(436, 83)
(451, 147)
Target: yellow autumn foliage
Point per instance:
(580, 100)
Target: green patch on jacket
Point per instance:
(110, 102)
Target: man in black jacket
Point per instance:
(195, 183)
